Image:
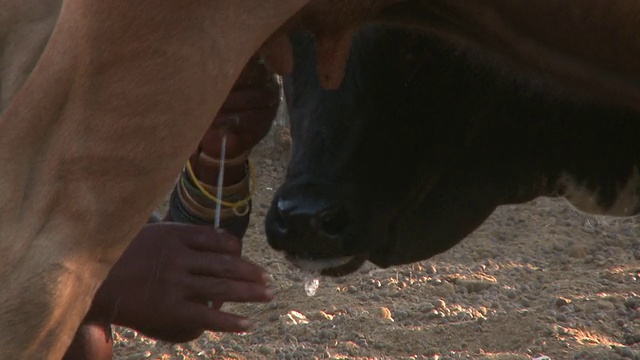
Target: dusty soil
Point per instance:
(536, 281)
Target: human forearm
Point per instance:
(188, 204)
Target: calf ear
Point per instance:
(277, 54)
(332, 53)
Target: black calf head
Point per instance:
(364, 153)
(419, 145)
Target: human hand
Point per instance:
(161, 284)
(247, 113)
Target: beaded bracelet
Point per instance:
(191, 200)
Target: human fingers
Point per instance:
(278, 53)
(213, 240)
(226, 290)
(249, 122)
(216, 320)
(254, 72)
(225, 266)
(249, 129)
(255, 97)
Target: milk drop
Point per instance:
(311, 282)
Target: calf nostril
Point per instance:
(280, 218)
(283, 207)
(294, 217)
(333, 223)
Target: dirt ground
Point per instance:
(536, 281)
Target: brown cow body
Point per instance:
(120, 96)
(589, 46)
(96, 128)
